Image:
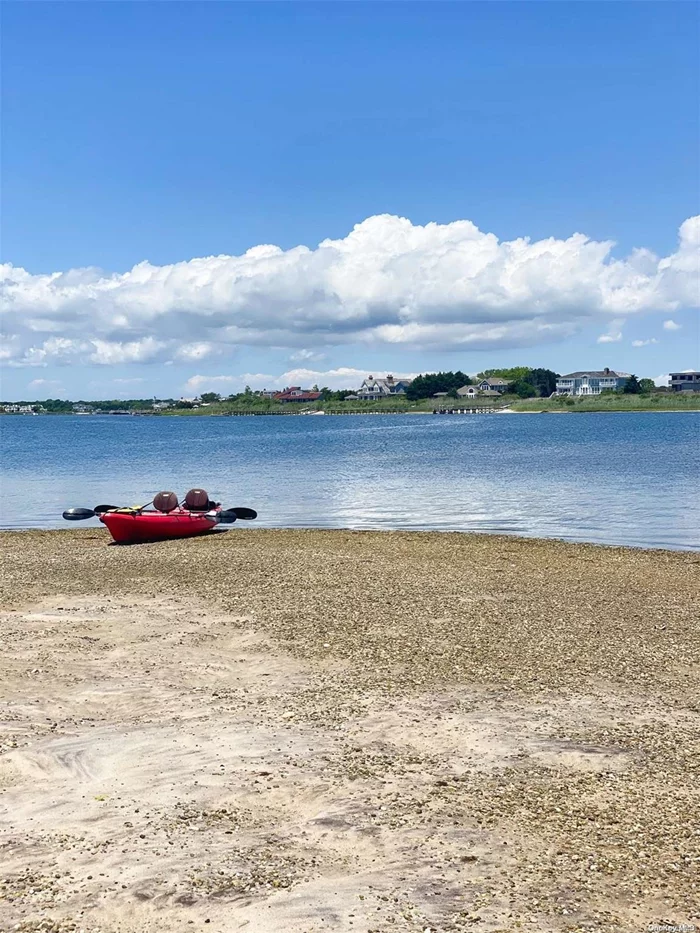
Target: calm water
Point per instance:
(609, 478)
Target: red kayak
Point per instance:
(167, 518)
(128, 525)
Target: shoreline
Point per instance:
(249, 414)
(65, 528)
(458, 409)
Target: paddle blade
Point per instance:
(246, 514)
(227, 517)
(77, 515)
(101, 509)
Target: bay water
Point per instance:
(611, 478)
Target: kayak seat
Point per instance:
(165, 502)
(197, 500)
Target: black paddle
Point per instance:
(227, 516)
(79, 515)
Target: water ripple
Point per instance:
(625, 479)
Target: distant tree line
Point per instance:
(522, 381)
(66, 406)
(633, 386)
(330, 395)
(426, 386)
(248, 396)
(132, 404)
(514, 374)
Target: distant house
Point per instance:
(161, 406)
(14, 409)
(685, 382)
(493, 384)
(373, 388)
(440, 394)
(297, 394)
(592, 382)
(351, 398)
(470, 392)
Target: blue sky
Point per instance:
(166, 132)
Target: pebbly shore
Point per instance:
(330, 730)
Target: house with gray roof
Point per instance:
(591, 382)
(373, 388)
(494, 384)
(475, 391)
(688, 381)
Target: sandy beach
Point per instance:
(312, 731)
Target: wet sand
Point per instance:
(325, 730)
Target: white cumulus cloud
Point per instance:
(644, 343)
(311, 356)
(387, 282)
(344, 377)
(43, 384)
(671, 325)
(196, 351)
(213, 383)
(613, 335)
(108, 352)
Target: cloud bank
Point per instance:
(388, 282)
(344, 377)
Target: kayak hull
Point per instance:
(127, 526)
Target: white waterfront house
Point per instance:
(592, 382)
(15, 409)
(373, 388)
